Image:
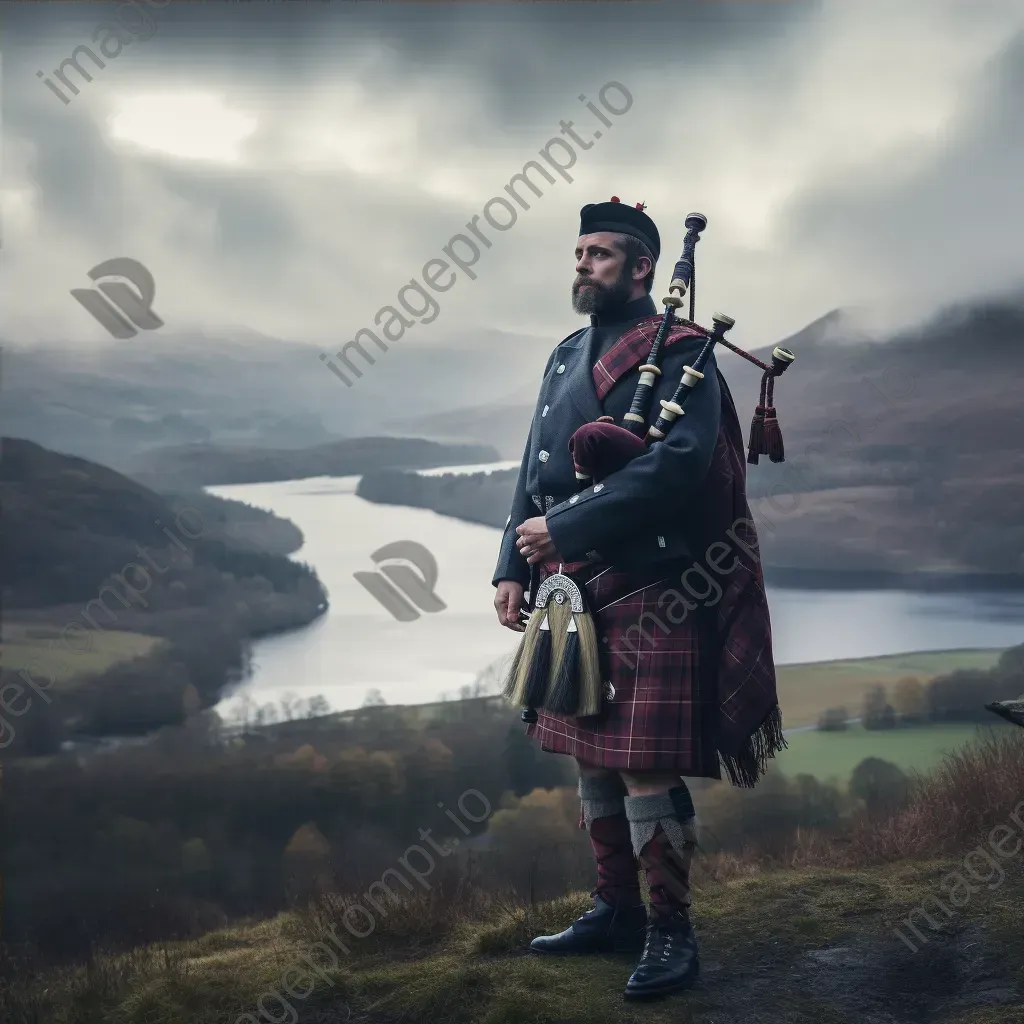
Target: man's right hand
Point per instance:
(508, 601)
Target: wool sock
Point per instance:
(604, 818)
(663, 828)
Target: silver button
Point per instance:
(561, 368)
(661, 541)
(574, 499)
(544, 411)
(543, 455)
(609, 691)
(598, 487)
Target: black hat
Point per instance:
(616, 216)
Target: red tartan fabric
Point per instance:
(692, 692)
(663, 710)
(632, 349)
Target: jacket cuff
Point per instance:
(511, 564)
(572, 527)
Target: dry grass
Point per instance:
(455, 952)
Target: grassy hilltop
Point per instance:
(811, 936)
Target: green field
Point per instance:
(807, 690)
(834, 755)
(40, 645)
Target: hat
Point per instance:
(617, 216)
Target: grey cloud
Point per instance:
(460, 96)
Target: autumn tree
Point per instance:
(909, 699)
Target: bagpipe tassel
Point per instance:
(756, 443)
(772, 437)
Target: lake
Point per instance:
(358, 645)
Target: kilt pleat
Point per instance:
(665, 706)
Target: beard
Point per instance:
(598, 297)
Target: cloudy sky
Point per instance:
(287, 168)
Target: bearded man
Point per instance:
(701, 693)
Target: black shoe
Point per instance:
(605, 929)
(669, 962)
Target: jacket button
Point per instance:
(561, 368)
(543, 455)
(598, 487)
(544, 411)
(574, 499)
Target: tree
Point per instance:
(878, 713)
(833, 720)
(882, 785)
(909, 699)
(318, 706)
(374, 698)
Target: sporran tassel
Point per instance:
(591, 684)
(565, 688)
(515, 687)
(535, 683)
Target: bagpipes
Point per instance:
(557, 665)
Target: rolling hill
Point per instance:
(903, 452)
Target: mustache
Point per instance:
(580, 281)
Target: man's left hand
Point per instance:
(535, 543)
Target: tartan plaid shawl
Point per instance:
(749, 720)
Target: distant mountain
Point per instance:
(903, 452)
(113, 402)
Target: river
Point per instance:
(358, 645)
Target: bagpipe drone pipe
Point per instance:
(557, 665)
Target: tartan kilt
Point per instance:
(664, 710)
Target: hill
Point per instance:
(111, 402)
(884, 918)
(903, 455)
(97, 568)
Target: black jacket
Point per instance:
(637, 515)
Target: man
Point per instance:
(703, 686)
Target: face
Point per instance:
(602, 280)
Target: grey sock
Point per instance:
(645, 813)
(601, 796)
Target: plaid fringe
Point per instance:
(751, 762)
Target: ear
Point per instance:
(643, 267)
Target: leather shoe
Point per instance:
(670, 960)
(606, 928)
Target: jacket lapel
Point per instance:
(579, 378)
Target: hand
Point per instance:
(535, 543)
(507, 602)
